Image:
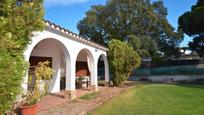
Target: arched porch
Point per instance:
(56, 53)
(65, 51)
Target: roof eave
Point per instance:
(74, 35)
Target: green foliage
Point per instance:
(134, 41)
(198, 45)
(121, 19)
(144, 45)
(90, 96)
(192, 24)
(18, 19)
(123, 59)
(42, 72)
(148, 47)
(12, 71)
(31, 98)
(158, 61)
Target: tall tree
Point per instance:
(18, 19)
(122, 18)
(191, 23)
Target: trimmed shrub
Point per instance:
(123, 59)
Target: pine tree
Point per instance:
(192, 24)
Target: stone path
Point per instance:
(81, 107)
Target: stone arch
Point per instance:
(55, 85)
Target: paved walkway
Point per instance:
(56, 99)
(80, 107)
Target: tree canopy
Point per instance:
(191, 23)
(18, 19)
(121, 19)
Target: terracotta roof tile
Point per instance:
(63, 30)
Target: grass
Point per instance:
(90, 96)
(156, 99)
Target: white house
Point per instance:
(65, 49)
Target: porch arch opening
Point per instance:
(103, 70)
(85, 74)
(54, 51)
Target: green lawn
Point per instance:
(156, 99)
(90, 96)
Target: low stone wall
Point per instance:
(167, 78)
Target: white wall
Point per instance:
(82, 56)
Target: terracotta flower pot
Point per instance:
(29, 110)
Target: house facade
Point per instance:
(70, 56)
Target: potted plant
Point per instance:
(37, 88)
(29, 106)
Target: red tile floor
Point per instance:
(55, 99)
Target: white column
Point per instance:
(94, 72)
(70, 76)
(94, 81)
(55, 81)
(106, 68)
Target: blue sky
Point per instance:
(67, 13)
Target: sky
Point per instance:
(67, 13)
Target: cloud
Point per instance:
(63, 2)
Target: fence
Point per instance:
(176, 70)
(169, 78)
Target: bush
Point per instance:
(36, 92)
(12, 70)
(123, 59)
(18, 19)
